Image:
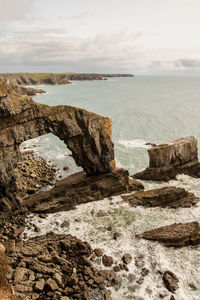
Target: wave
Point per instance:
(135, 144)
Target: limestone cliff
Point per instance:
(168, 160)
(86, 134)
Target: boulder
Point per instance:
(168, 160)
(171, 281)
(165, 197)
(176, 235)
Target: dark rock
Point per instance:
(116, 280)
(177, 234)
(86, 134)
(135, 185)
(116, 269)
(165, 197)
(39, 285)
(107, 260)
(117, 235)
(98, 252)
(168, 160)
(171, 281)
(127, 258)
(77, 189)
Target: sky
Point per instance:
(107, 36)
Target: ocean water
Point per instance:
(144, 110)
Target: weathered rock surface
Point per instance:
(165, 197)
(44, 266)
(79, 188)
(168, 160)
(86, 134)
(171, 281)
(177, 234)
(55, 78)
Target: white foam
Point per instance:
(134, 144)
(87, 224)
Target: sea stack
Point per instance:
(168, 160)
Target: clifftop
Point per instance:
(55, 78)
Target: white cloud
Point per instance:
(12, 10)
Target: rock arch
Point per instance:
(86, 134)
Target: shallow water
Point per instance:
(143, 109)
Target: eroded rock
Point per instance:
(86, 134)
(168, 160)
(177, 234)
(77, 189)
(165, 197)
(171, 281)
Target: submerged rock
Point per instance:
(168, 160)
(176, 235)
(165, 197)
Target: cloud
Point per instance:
(101, 52)
(188, 64)
(12, 11)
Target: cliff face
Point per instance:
(168, 160)
(86, 134)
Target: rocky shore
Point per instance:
(61, 266)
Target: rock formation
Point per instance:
(165, 197)
(86, 134)
(54, 78)
(176, 235)
(168, 160)
(79, 188)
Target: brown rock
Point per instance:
(99, 279)
(116, 280)
(177, 234)
(127, 258)
(86, 134)
(165, 197)
(171, 281)
(168, 160)
(77, 189)
(107, 260)
(39, 285)
(116, 269)
(104, 273)
(107, 296)
(98, 252)
(116, 235)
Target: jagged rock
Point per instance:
(165, 197)
(79, 188)
(48, 277)
(168, 160)
(171, 281)
(98, 252)
(127, 258)
(176, 235)
(107, 260)
(86, 134)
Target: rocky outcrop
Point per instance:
(168, 160)
(176, 235)
(171, 197)
(170, 281)
(86, 134)
(55, 78)
(77, 189)
(54, 264)
(25, 79)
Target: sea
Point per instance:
(144, 109)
